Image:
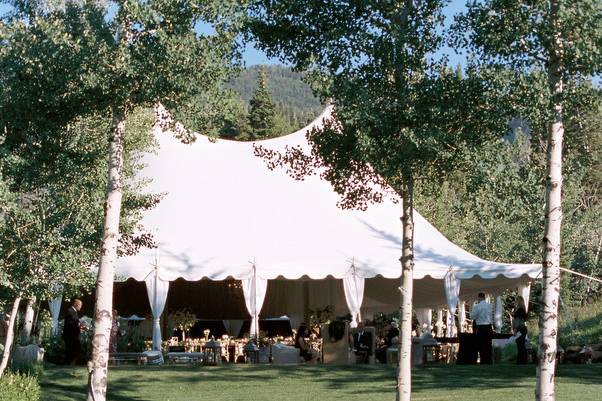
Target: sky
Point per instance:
(253, 56)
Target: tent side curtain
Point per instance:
(425, 317)
(156, 289)
(462, 317)
(452, 294)
(55, 309)
(498, 314)
(254, 289)
(353, 286)
(524, 290)
(439, 323)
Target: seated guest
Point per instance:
(361, 343)
(391, 338)
(304, 349)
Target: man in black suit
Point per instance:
(362, 344)
(71, 331)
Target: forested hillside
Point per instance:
(295, 105)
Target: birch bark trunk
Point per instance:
(548, 317)
(404, 369)
(10, 335)
(97, 366)
(28, 321)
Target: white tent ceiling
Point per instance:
(224, 211)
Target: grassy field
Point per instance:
(303, 383)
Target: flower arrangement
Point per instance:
(183, 319)
(321, 316)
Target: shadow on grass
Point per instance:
(134, 383)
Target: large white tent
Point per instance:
(226, 215)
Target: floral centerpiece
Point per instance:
(319, 317)
(183, 319)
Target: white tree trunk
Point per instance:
(404, 369)
(10, 335)
(97, 366)
(28, 321)
(548, 316)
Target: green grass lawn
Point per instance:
(313, 382)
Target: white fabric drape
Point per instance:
(254, 289)
(452, 293)
(439, 324)
(55, 310)
(425, 316)
(449, 324)
(462, 316)
(498, 314)
(353, 286)
(156, 289)
(524, 290)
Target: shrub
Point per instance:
(131, 342)
(27, 368)
(54, 349)
(19, 387)
(580, 325)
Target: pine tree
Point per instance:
(262, 111)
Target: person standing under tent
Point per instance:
(71, 331)
(519, 320)
(481, 316)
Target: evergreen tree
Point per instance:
(262, 110)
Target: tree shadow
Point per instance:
(128, 383)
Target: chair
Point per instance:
(195, 358)
(119, 358)
(335, 348)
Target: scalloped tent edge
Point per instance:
(226, 215)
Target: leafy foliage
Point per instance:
(553, 48)
(396, 108)
(19, 387)
(51, 228)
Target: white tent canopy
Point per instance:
(225, 214)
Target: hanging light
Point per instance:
(234, 284)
